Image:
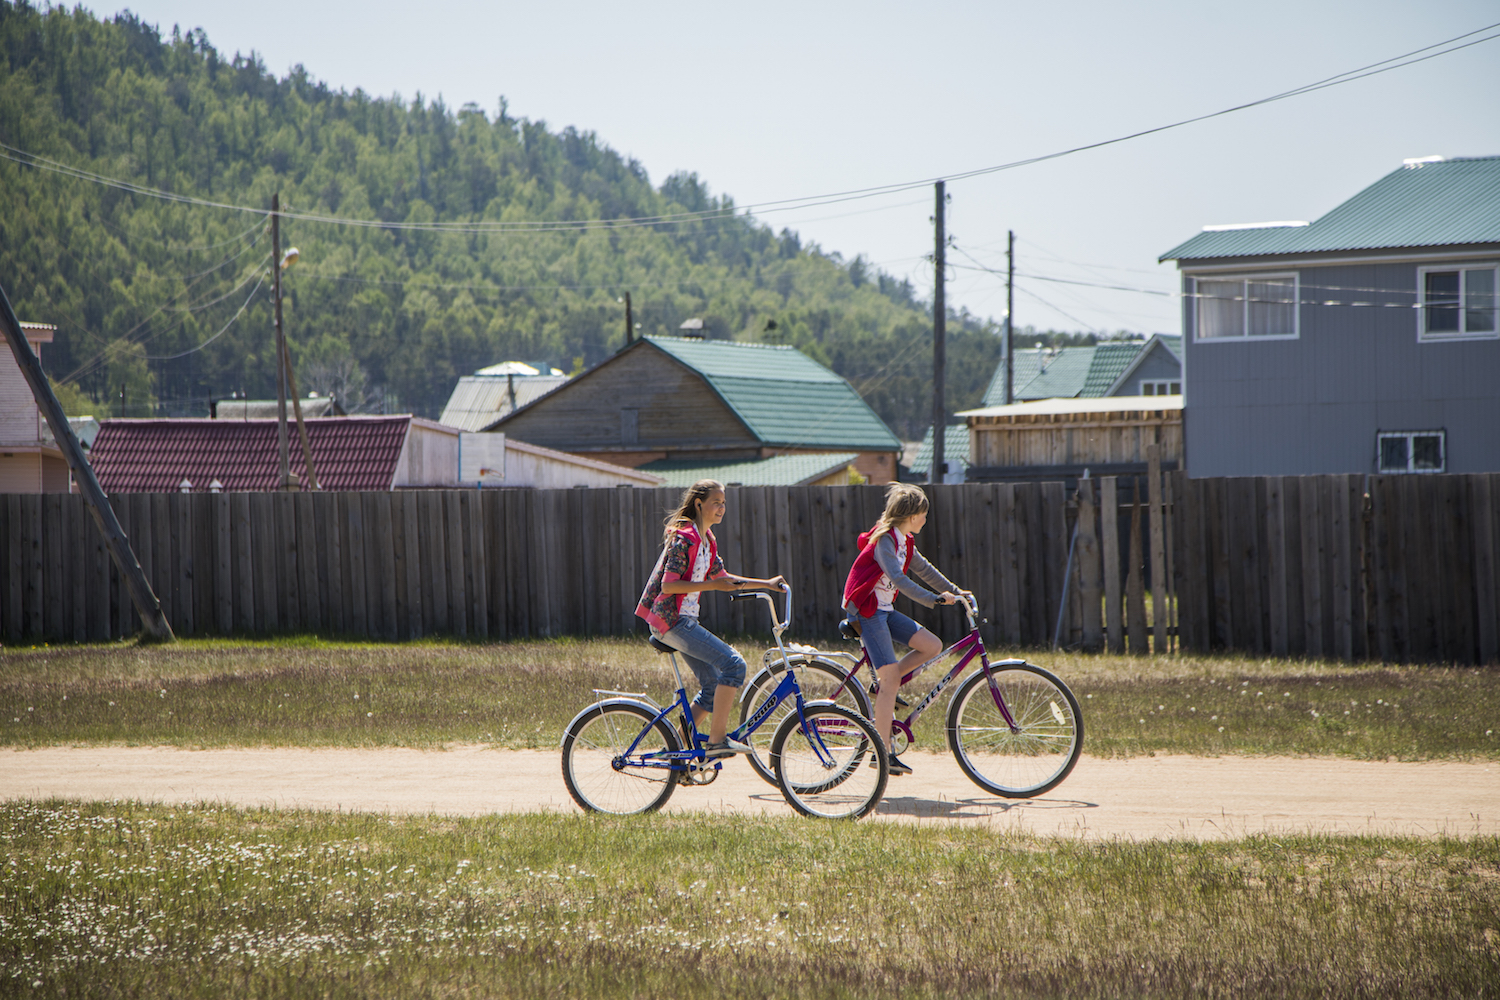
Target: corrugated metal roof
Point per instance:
(955, 448)
(1071, 371)
(1428, 204)
(480, 400)
(1054, 407)
(154, 456)
(1109, 361)
(818, 408)
(779, 470)
(266, 409)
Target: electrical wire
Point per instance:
(130, 338)
(240, 312)
(1087, 326)
(1446, 47)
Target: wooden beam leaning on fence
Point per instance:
(141, 593)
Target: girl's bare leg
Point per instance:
(719, 724)
(723, 702)
(924, 646)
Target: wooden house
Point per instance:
(682, 399)
(1150, 367)
(1060, 438)
(30, 460)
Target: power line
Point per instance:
(1446, 47)
(238, 313)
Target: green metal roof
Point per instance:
(782, 395)
(779, 470)
(1422, 204)
(955, 448)
(1107, 365)
(1072, 371)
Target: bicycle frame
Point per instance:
(680, 760)
(967, 648)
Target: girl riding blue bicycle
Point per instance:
(688, 566)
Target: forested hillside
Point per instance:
(145, 291)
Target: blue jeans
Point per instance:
(877, 631)
(713, 660)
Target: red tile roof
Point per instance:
(154, 456)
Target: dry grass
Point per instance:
(308, 692)
(116, 899)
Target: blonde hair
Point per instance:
(902, 500)
(689, 508)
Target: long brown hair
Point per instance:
(902, 500)
(689, 508)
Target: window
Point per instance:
(1160, 387)
(1239, 308)
(1456, 303)
(1411, 451)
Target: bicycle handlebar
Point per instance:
(765, 595)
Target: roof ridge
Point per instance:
(724, 343)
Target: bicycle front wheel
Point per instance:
(597, 739)
(1038, 754)
(829, 763)
(818, 680)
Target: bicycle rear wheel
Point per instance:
(601, 734)
(1035, 757)
(818, 679)
(829, 763)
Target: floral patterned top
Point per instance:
(661, 610)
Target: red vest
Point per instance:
(866, 573)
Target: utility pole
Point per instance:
(281, 431)
(141, 594)
(1010, 348)
(629, 323)
(939, 338)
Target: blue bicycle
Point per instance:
(624, 755)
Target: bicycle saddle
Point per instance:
(660, 646)
(848, 631)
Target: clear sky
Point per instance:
(780, 99)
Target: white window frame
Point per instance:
(1440, 434)
(1423, 337)
(1160, 387)
(1296, 278)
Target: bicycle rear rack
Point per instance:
(603, 693)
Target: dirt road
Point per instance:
(1139, 798)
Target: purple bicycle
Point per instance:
(1014, 727)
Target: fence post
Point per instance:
(1089, 581)
(1135, 587)
(1109, 526)
(1159, 613)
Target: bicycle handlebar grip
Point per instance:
(744, 595)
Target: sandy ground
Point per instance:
(1139, 798)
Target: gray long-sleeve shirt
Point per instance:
(890, 563)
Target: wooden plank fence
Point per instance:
(1401, 569)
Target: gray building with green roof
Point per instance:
(709, 402)
(1365, 341)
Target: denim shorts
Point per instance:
(877, 631)
(713, 660)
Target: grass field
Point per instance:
(315, 693)
(124, 900)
